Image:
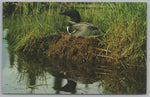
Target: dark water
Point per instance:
(40, 75)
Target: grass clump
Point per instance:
(26, 29)
(126, 38)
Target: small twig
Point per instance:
(104, 50)
(105, 56)
(104, 69)
(101, 73)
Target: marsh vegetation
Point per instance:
(118, 58)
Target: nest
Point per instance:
(80, 57)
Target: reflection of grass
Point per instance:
(31, 70)
(124, 24)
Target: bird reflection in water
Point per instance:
(69, 87)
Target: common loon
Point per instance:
(77, 28)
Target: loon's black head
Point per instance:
(73, 14)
